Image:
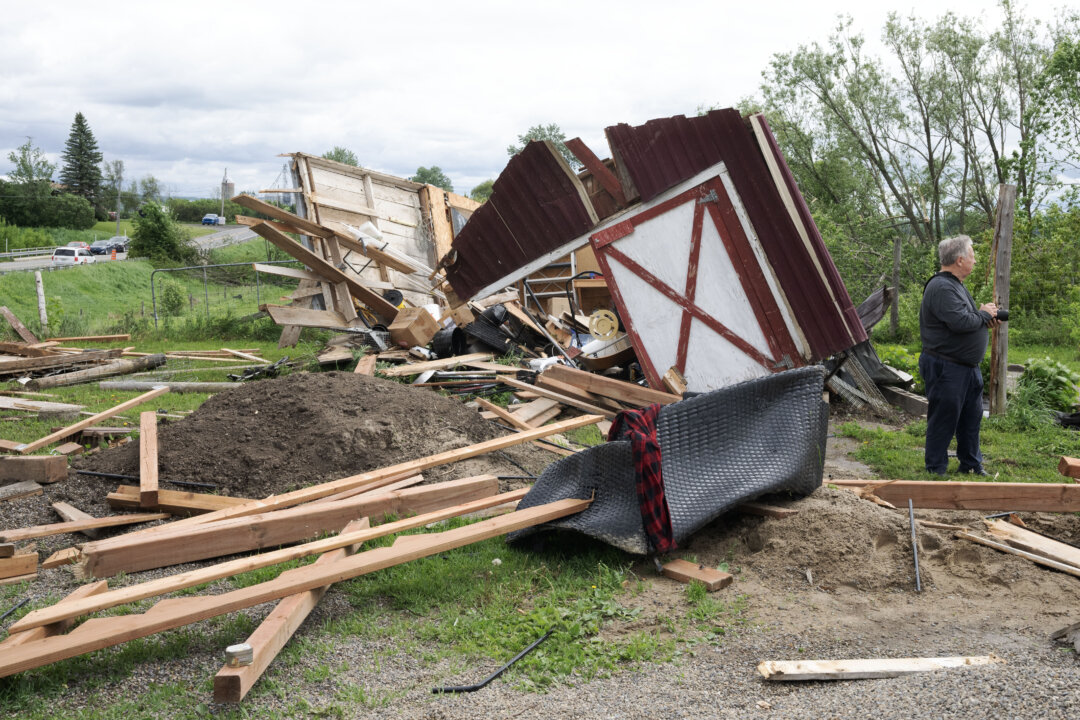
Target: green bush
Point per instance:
(158, 237)
(171, 297)
(901, 358)
(1049, 383)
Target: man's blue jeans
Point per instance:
(954, 394)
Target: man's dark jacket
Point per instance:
(950, 323)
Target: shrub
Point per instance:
(1049, 383)
(158, 237)
(171, 297)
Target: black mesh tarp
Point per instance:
(718, 450)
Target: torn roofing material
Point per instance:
(537, 205)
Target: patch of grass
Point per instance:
(1030, 455)
(587, 436)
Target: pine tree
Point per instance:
(81, 159)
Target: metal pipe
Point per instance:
(20, 604)
(497, 673)
(914, 544)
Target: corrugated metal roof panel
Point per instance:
(664, 152)
(537, 204)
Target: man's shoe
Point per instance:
(975, 471)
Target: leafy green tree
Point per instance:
(30, 164)
(550, 132)
(158, 237)
(112, 185)
(342, 155)
(38, 205)
(81, 157)
(433, 176)
(482, 192)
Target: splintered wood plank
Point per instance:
(99, 633)
(17, 326)
(534, 409)
(37, 531)
(384, 476)
(372, 299)
(1034, 543)
(172, 546)
(43, 469)
(70, 513)
(305, 317)
(1033, 557)
(1069, 467)
(148, 460)
(865, 669)
(27, 488)
(44, 631)
(945, 495)
(67, 556)
(172, 583)
(503, 414)
(16, 565)
(127, 497)
(28, 448)
(18, 579)
(565, 400)
(442, 364)
(231, 684)
(365, 365)
(686, 572)
(70, 448)
(628, 393)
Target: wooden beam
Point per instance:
(128, 497)
(599, 170)
(281, 270)
(373, 300)
(93, 338)
(299, 316)
(67, 556)
(245, 356)
(98, 633)
(304, 225)
(28, 448)
(573, 391)
(625, 392)
(802, 670)
(910, 402)
(1069, 467)
(365, 365)
(231, 684)
(16, 325)
(37, 531)
(441, 364)
(532, 410)
(503, 414)
(70, 513)
(565, 400)
(686, 572)
(17, 565)
(148, 460)
(18, 490)
(169, 546)
(40, 633)
(25, 350)
(43, 469)
(173, 583)
(12, 367)
(999, 336)
(942, 495)
(1033, 557)
(1033, 542)
(377, 478)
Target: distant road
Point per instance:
(229, 236)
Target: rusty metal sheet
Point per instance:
(537, 205)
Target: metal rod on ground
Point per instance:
(914, 544)
(117, 476)
(497, 673)
(17, 606)
(515, 477)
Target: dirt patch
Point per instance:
(278, 435)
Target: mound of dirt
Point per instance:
(273, 436)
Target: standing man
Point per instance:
(954, 337)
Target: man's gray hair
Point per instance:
(949, 250)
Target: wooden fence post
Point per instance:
(999, 343)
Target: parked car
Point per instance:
(104, 247)
(72, 256)
(210, 219)
(78, 244)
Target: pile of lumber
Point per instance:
(285, 527)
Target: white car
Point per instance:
(72, 256)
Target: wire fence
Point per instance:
(217, 290)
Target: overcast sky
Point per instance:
(183, 90)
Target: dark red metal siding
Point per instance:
(662, 153)
(534, 208)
